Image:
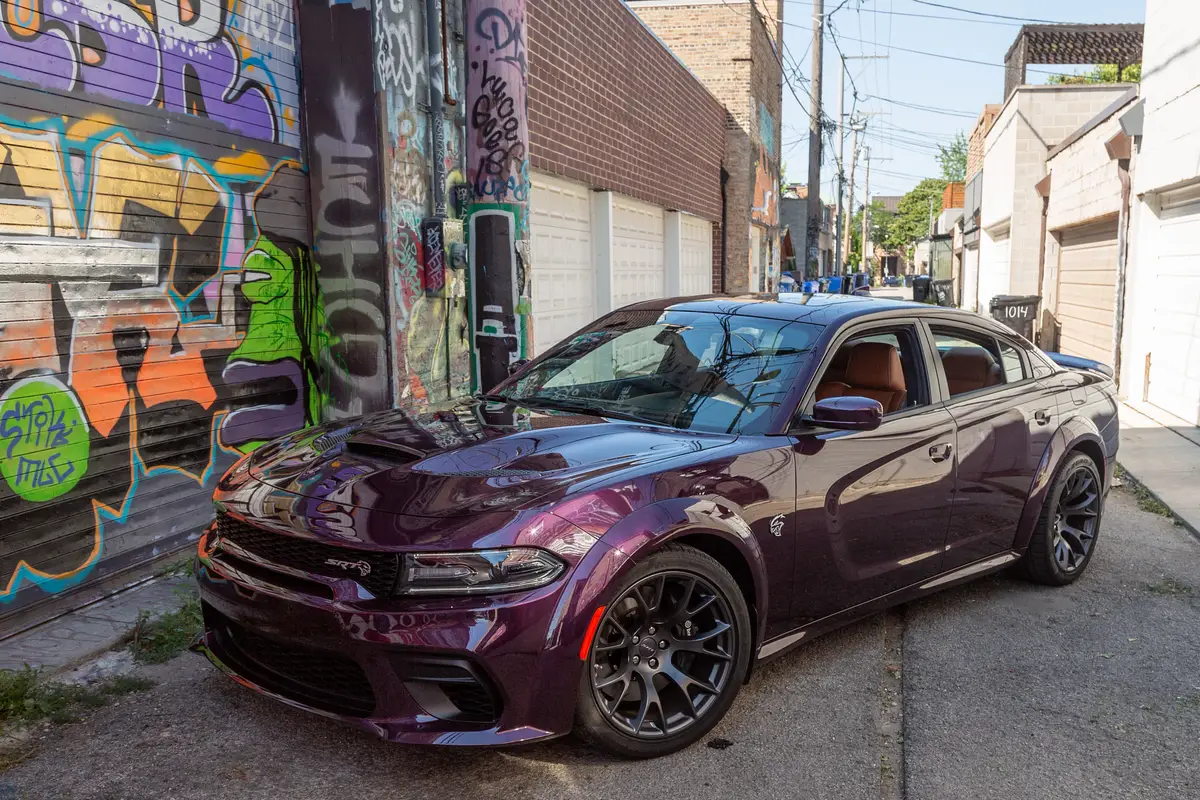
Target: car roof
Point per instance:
(817, 309)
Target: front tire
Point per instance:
(668, 656)
(1064, 538)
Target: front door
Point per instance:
(1006, 418)
(872, 507)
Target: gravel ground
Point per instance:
(1007, 690)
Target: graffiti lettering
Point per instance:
(506, 37)
(396, 59)
(181, 56)
(498, 164)
(435, 255)
(45, 437)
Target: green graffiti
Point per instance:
(287, 322)
(43, 439)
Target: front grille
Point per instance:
(316, 678)
(381, 569)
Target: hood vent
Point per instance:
(382, 448)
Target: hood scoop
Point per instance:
(367, 445)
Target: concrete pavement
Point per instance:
(1163, 454)
(1006, 690)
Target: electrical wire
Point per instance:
(880, 12)
(987, 14)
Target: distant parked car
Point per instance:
(607, 540)
(891, 280)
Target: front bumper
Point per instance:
(464, 671)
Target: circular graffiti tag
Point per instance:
(43, 439)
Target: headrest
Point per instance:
(969, 365)
(875, 365)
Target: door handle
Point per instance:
(1042, 416)
(940, 452)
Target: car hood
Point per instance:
(463, 459)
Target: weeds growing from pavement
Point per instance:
(1171, 588)
(24, 697)
(159, 640)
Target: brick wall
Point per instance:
(975, 143)
(611, 107)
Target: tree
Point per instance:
(953, 159)
(881, 223)
(912, 214)
(1101, 73)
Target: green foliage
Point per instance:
(1101, 73)
(26, 698)
(912, 216)
(881, 223)
(159, 640)
(953, 159)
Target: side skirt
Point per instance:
(782, 644)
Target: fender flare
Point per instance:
(1069, 436)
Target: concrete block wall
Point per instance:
(1171, 142)
(1084, 182)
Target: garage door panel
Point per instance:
(1087, 277)
(1174, 380)
(563, 279)
(696, 257)
(639, 271)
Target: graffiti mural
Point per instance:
(423, 163)
(230, 61)
(347, 203)
(765, 205)
(161, 315)
(498, 174)
(161, 310)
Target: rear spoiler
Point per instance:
(1086, 364)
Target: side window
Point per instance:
(973, 361)
(884, 365)
(1014, 368)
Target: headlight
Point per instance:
(479, 571)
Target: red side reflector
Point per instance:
(591, 633)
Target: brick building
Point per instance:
(733, 48)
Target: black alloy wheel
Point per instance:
(667, 657)
(1064, 539)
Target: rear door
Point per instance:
(1006, 417)
(872, 507)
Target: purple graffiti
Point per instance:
(38, 424)
(184, 59)
(496, 94)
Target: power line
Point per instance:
(880, 12)
(987, 14)
(949, 112)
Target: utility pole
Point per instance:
(841, 223)
(841, 167)
(866, 259)
(812, 231)
(853, 157)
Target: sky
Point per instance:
(908, 136)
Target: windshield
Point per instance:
(717, 373)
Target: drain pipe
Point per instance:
(724, 226)
(437, 102)
(1120, 149)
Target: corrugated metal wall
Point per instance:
(159, 304)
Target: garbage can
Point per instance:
(1017, 312)
(921, 288)
(943, 293)
(835, 284)
(811, 287)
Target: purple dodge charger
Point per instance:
(614, 537)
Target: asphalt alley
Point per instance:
(998, 689)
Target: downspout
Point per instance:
(1120, 148)
(724, 225)
(435, 44)
(1043, 189)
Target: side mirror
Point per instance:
(518, 365)
(848, 413)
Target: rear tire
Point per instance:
(639, 699)
(1064, 538)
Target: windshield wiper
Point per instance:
(591, 409)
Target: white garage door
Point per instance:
(1087, 277)
(564, 282)
(639, 272)
(970, 295)
(696, 259)
(994, 256)
(1175, 349)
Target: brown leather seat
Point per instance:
(874, 370)
(969, 369)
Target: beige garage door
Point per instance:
(638, 270)
(1087, 275)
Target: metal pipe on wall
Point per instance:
(435, 45)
